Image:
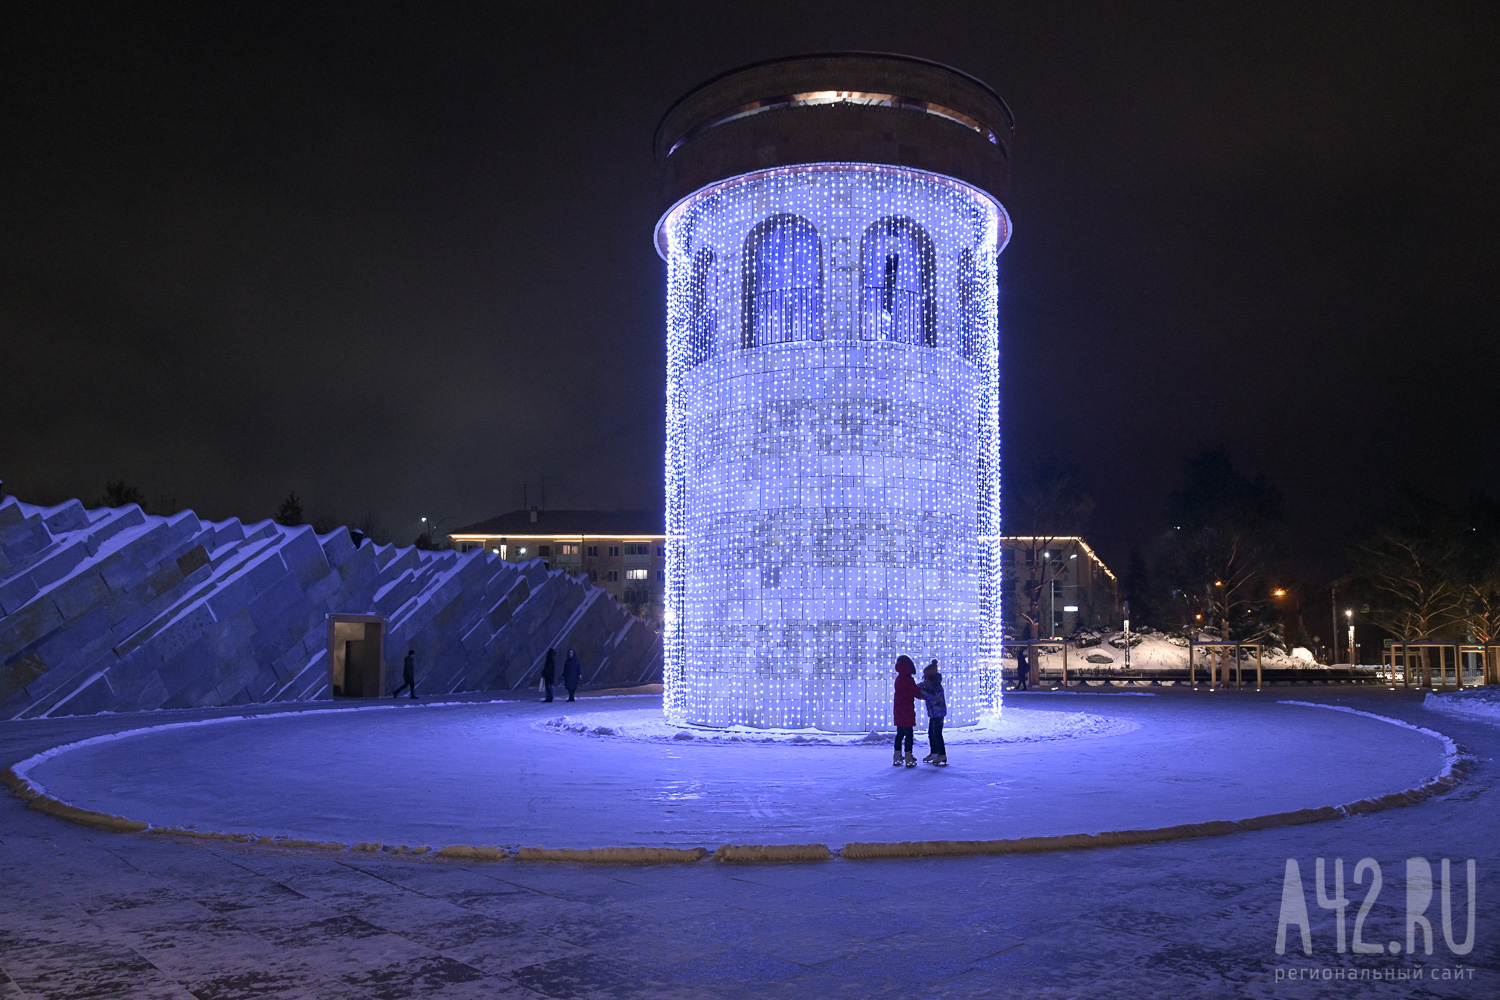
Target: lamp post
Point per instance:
(1349, 617)
(430, 527)
(1277, 595)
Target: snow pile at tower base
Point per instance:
(114, 610)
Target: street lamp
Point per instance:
(430, 528)
(1349, 617)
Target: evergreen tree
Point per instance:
(121, 495)
(289, 514)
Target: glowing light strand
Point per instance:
(832, 466)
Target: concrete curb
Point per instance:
(744, 854)
(615, 855)
(1458, 766)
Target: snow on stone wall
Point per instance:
(114, 610)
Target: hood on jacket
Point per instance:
(904, 665)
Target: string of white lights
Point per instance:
(832, 467)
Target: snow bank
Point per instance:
(1482, 702)
(1016, 725)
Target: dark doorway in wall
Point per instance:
(356, 655)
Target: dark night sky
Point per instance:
(401, 261)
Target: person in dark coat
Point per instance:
(1023, 669)
(408, 675)
(572, 674)
(937, 711)
(549, 672)
(905, 711)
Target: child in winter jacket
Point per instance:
(937, 710)
(905, 709)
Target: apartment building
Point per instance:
(1071, 584)
(622, 551)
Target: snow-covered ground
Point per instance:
(1014, 726)
(1154, 651)
(495, 774)
(1483, 702)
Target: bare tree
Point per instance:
(1225, 533)
(1412, 566)
(1481, 584)
(1048, 505)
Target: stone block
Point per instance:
(68, 516)
(58, 563)
(27, 626)
(192, 560)
(124, 571)
(22, 543)
(94, 697)
(105, 529)
(144, 692)
(304, 556)
(76, 596)
(255, 575)
(18, 674)
(15, 593)
(185, 629)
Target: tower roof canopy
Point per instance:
(856, 107)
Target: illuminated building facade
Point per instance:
(832, 416)
(623, 552)
(1060, 582)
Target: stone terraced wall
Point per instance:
(115, 610)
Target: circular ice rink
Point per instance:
(610, 774)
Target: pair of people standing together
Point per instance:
(572, 673)
(907, 693)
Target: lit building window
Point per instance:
(637, 574)
(783, 283)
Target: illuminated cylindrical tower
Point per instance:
(831, 232)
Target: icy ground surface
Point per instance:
(486, 774)
(1015, 726)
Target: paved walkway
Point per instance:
(486, 774)
(89, 914)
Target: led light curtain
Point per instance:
(832, 446)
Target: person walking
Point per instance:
(408, 675)
(905, 712)
(1023, 669)
(937, 710)
(549, 672)
(572, 674)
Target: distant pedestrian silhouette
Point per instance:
(549, 672)
(408, 675)
(572, 674)
(1023, 670)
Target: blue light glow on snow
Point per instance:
(833, 466)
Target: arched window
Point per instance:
(970, 321)
(703, 312)
(898, 268)
(783, 283)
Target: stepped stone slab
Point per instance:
(118, 610)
